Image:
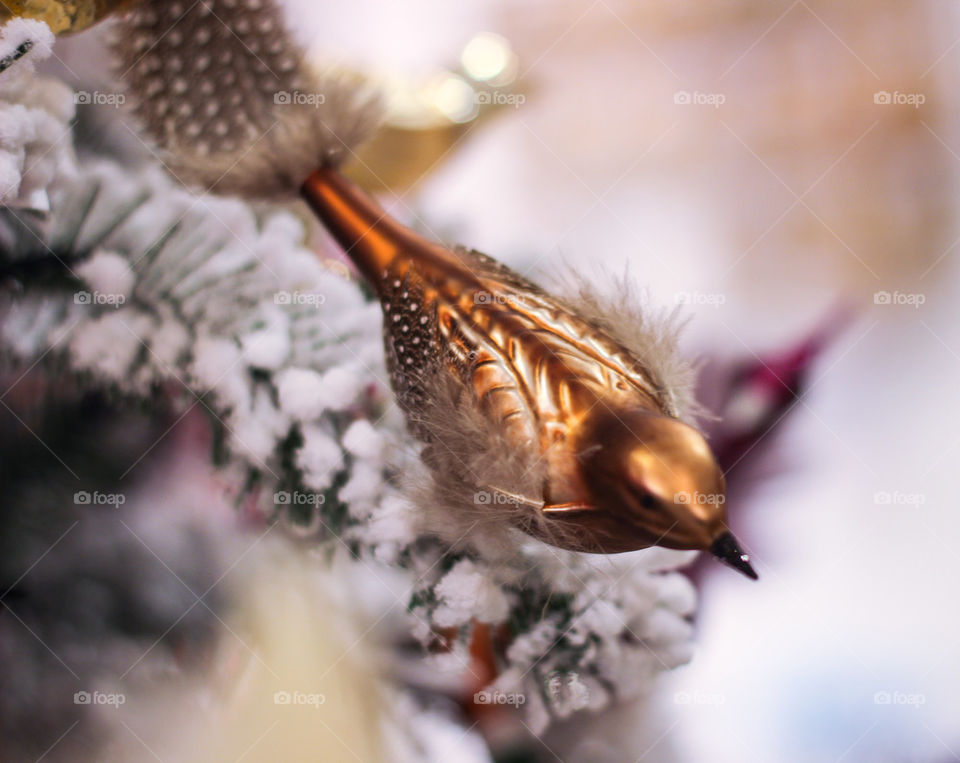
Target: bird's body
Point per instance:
(491, 369)
(535, 370)
(532, 367)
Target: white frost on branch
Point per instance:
(591, 631)
(466, 593)
(300, 393)
(209, 298)
(196, 291)
(108, 273)
(363, 441)
(36, 152)
(320, 457)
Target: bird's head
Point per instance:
(655, 481)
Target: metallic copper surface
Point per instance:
(622, 472)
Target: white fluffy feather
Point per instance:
(621, 308)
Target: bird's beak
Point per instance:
(728, 551)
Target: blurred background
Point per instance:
(779, 170)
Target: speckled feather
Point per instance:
(227, 96)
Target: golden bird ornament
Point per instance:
(533, 412)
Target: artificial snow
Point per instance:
(320, 458)
(300, 392)
(363, 441)
(467, 593)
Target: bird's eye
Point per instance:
(648, 501)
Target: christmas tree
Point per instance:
(142, 321)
